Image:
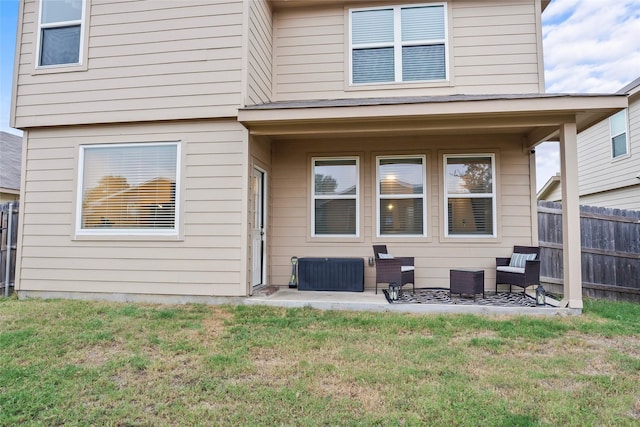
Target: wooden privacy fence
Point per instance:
(610, 240)
(8, 245)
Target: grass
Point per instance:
(94, 363)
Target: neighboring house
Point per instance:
(608, 160)
(272, 118)
(551, 191)
(10, 162)
(609, 157)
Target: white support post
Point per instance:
(572, 265)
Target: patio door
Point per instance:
(258, 228)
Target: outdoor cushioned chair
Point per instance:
(393, 269)
(521, 269)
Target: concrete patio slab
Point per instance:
(369, 301)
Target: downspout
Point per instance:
(533, 194)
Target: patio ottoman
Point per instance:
(469, 282)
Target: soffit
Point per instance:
(536, 117)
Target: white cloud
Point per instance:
(591, 45)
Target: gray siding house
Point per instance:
(609, 157)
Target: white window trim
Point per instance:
(121, 232)
(493, 196)
(59, 24)
(315, 197)
(626, 132)
(399, 196)
(398, 44)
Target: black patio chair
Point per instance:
(391, 269)
(521, 269)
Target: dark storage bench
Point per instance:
(331, 274)
(469, 282)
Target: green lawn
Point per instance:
(107, 364)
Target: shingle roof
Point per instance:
(359, 102)
(628, 88)
(10, 160)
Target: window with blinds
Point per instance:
(470, 195)
(335, 197)
(129, 189)
(618, 129)
(401, 193)
(60, 32)
(398, 44)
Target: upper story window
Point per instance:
(128, 189)
(401, 193)
(60, 31)
(619, 140)
(398, 44)
(335, 197)
(470, 195)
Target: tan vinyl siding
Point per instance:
(309, 49)
(435, 255)
(493, 48)
(260, 52)
(597, 170)
(207, 261)
(151, 60)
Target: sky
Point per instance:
(590, 46)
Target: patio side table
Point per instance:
(466, 282)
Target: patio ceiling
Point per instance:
(535, 117)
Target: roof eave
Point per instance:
(543, 112)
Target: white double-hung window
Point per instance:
(401, 194)
(60, 32)
(470, 195)
(335, 197)
(128, 189)
(618, 129)
(398, 44)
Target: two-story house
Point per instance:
(609, 157)
(187, 150)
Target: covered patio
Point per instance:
(285, 137)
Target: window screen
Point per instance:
(60, 28)
(401, 196)
(335, 197)
(396, 44)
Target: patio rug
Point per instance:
(441, 296)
